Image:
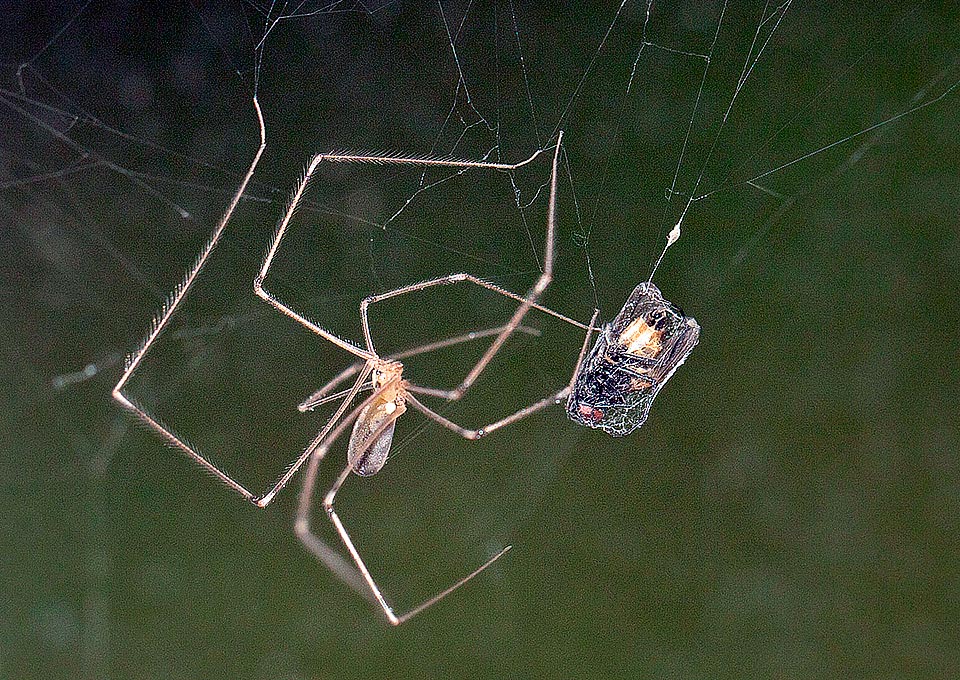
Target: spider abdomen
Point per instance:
(372, 435)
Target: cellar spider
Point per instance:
(375, 418)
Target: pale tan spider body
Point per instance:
(373, 430)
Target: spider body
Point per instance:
(373, 430)
(633, 358)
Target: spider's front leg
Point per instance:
(323, 395)
(555, 398)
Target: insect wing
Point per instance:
(372, 437)
(633, 358)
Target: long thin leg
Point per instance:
(546, 276)
(392, 616)
(358, 577)
(459, 339)
(333, 560)
(473, 434)
(457, 278)
(487, 429)
(317, 401)
(265, 499)
(270, 298)
(161, 321)
(323, 394)
(340, 567)
(345, 571)
(527, 302)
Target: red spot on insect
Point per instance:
(590, 413)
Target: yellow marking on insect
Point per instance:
(640, 339)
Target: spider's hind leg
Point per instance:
(374, 589)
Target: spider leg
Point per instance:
(283, 226)
(520, 414)
(340, 567)
(459, 339)
(486, 429)
(163, 318)
(361, 575)
(161, 323)
(546, 276)
(527, 302)
(374, 589)
(323, 394)
(265, 499)
(356, 575)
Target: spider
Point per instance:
(374, 419)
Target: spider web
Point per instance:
(693, 134)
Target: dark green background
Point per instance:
(790, 510)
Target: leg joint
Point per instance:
(258, 287)
(542, 283)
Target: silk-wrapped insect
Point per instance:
(633, 358)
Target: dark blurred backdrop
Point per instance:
(790, 510)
